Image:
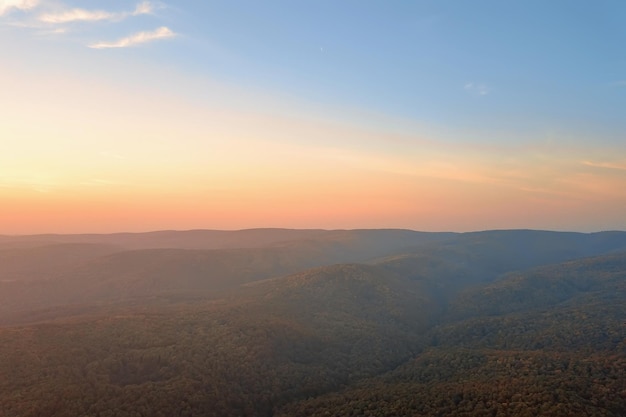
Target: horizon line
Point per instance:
(305, 229)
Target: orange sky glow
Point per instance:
(110, 139)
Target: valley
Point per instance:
(284, 322)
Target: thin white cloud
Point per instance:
(53, 31)
(145, 7)
(136, 39)
(59, 30)
(606, 165)
(77, 15)
(82, 15)
(621, 83)
(7, 5)
(476, 89)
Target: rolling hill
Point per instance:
(381, 323)
(550, 341)
(77, 274)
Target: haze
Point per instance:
(300, 323)
(427, 115)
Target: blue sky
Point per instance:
(513, 106)
(465, 64)
(490, 65)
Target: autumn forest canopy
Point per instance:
(285, 322)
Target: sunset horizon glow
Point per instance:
(142, 116)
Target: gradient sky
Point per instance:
(429, 115)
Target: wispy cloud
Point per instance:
(7, 5)
(476, 89)
(136, 39)
(52, 17)
(78, 15)
(55, 31)
(144, 7)
(605, 165)
(621, 83)
(83, 15)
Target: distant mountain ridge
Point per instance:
(61, 273)
(85, 269)
(208, 239)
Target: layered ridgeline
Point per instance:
(490, 323)
(46, 276)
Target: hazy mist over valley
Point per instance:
(318, 208)
(286, 322)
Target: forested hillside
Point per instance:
(38, 279)
(549, 342)
(517, 323)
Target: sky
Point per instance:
(428, 115)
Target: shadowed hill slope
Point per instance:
(550, 341)
(313, 343)
(468, 259)
(545, 286)
(70, 274)
(175, 274)
(43, 262)
(341, 340)
(298, 336)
